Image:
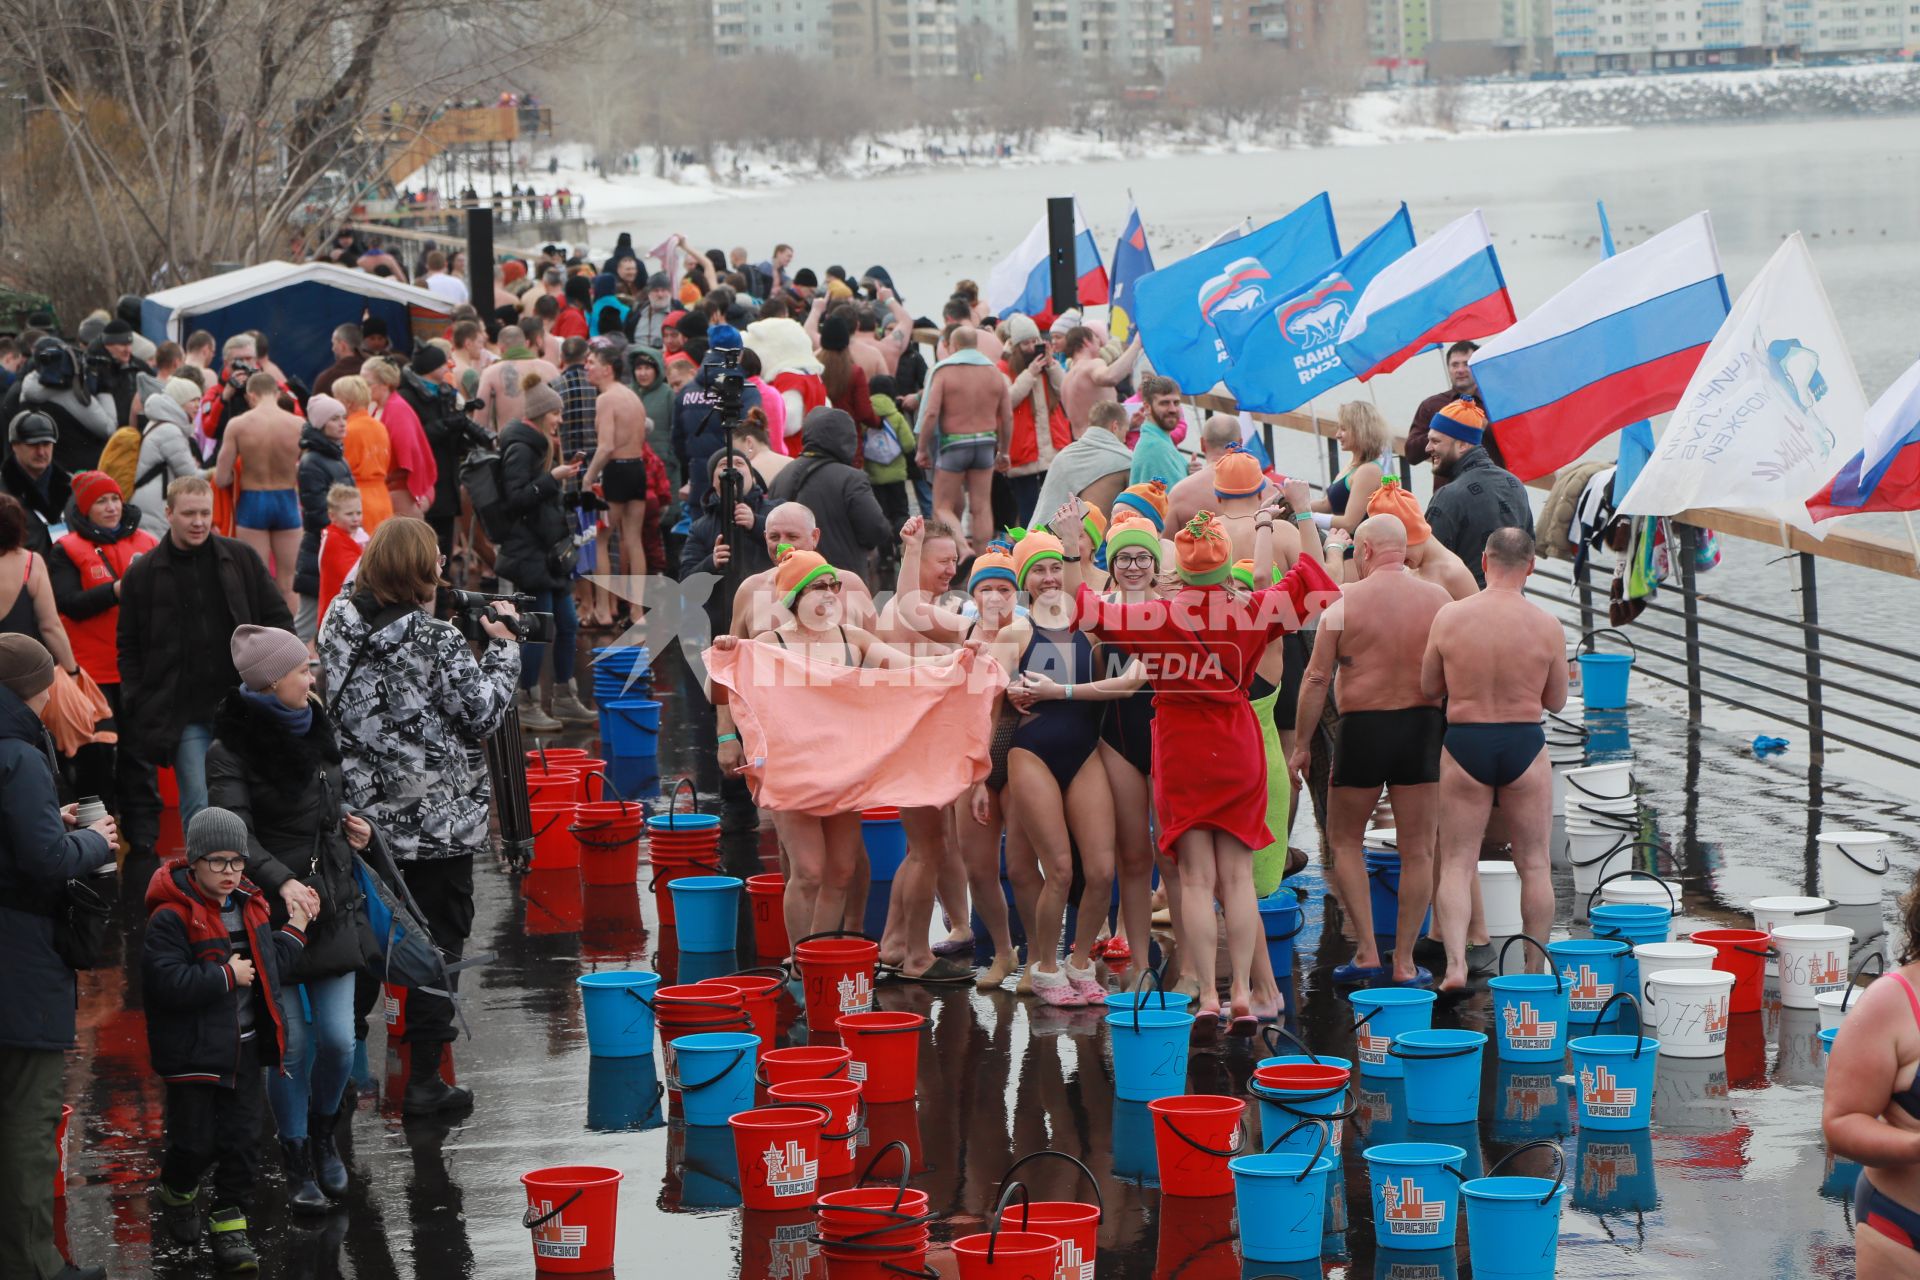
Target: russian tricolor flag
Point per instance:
(1446, 288)
(1885, 476)
(1617, 345)
(1023, 279)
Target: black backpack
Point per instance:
(481, 477)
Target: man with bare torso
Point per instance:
(1195, 492)
(502, 399)
(619, 465)
(1369, 650)
(1426, 558)
(265, 443)
(1499, 661)
(1091, 379)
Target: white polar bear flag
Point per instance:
(1773, 410)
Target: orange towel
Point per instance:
(826, 739)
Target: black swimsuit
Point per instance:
(1063, 733)
(852, 661)
(1495, 755)
(1127, 726)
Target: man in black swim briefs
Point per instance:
(1500, 661)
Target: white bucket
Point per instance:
(1618, 814)
(1645, 888)
(1833, 1006)
(1853, 865)
(1768, 912)
(1690, 1096)
(1654, 957)
(1380, 838)
(1595, 855)
(1563, 759)
(1689, 1010)
(1601, 782)
(1500, 892)
(1813, 958)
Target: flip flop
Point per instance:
(1206, 1024)
(942, 971)
(953, 947)
(1116, 952)
(1351, 973)
(1422, 977)
(1244, 1027)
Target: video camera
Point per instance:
(466, 610)
(729, 388)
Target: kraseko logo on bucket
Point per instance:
(789, 1172)
(1602, 1095)
(1719, 1010)
(1605, 1164)
(1071, 1265)
(1524, 1029)
(1373, 1049)
(556, 1239)
(856, 993)
(1587, 993)
(1407, 1211)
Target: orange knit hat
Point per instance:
(1149, 499)
(1391, 499)
(1131, 529)
(797, 571)
(1202, 551)
(1462, 419)
(996, 563)
(1237, 474)
(1033, 547)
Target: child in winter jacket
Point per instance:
(211, 970)
(890, 477)
(340, 543)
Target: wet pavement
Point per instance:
(1733, 1173)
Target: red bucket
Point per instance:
(844, 1265)
(886, 1052)
(777, 1150)
(1007, 1255)
(551, 786)
(60, 1143)
(779, 1246)
(761, 993)
(1304, 1076)
(692, 1007)
(1074, 1222)
(1194, 1136)
(670, 867)
(609, 838)
(803, 1062)
(557, 758)
(768, 894)
(553, 844)
(1742, 953)
(572, 1211)
(842, 1133)
(836, 972)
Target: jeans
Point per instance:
(190, 770)
(319, 1055)
(1026, 494)
(566, 626)
(209, 1127)
(30, 1097)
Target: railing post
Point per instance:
(1809, 628)
(1582, 579)
(1690, 596)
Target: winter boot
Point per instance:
(227, 1236)
(180, 1214)
(303, 1194)
(426, 1092)
(532, 718)
(328, 1168)
(567, 707)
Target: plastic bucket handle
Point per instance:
(1461, 1052)
(1877, 958)
(1145, 974)
(906, 1167)
(533, 1222)
(1559, 1165)
(1575, 784)
(1673, 903)
(607, 784)
(999, 1214)
(1886, 863)
(1289, 1105)
(1326, 1131)
(1299, 923)
(1573, 725)
(711, 868)
(1639, 1019)
(1618, 845)
(1609, 631)
(1239, 1147)
(760, 1073)
(1273, 1030)
(681, 1085)
(1500, 960)
(1099, 1201)
(1620, 822)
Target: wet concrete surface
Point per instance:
(1733, 1174)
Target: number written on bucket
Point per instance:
(789, 1172)
(1407, 1210)
(555, 1238)
(1822, 970)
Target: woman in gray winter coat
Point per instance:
(166, 453)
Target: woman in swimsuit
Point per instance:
(1872, 1112)
(994, 587)
(823, 853)
(1203, 728)
(1364, 437)
(1057, 790)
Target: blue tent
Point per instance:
(296, 304)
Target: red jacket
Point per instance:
(95, 638)
(338, 553)
(570, 323)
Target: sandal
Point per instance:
(1117, 953)
(942, 971)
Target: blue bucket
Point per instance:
(1383, 891)
(698, 966)
(1633, 923)
(1530, 1017)
(1826, 1043)
(1171, 1001)
(709, 1169)
(886, 841)
(1380, 1109)
(1614, 1173)
(619, 1012)
(683, 822)
(1281, 917)
(1134, 1156)
(1443, 1074)
(635, 778)
(1592, 969)
(1149, 1053)
(1281, 1202)
(1385, 1012)
(1416, 1193)
(715, 1074)
(1603, 680)
(1613, 1080)
(633, 728)
(1282, 1110)
(706, 912)
(624, 1095)
(1530, 1100)
(1513, 1227)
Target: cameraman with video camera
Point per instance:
(429, 389)
(413, 708)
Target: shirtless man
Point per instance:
(265, 441)
(1091, 379)
(1369, 648)
(753, 440)
(1427, 559)
(618, 471)
(1195, 492)
(500, 395)
(1494, 748)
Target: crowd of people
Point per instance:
(191, 537)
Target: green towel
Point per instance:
(1270, 863)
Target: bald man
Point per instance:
(1495, 749)
(1195, 493)
(756, 604)
(1369, 649)
(1427, 559)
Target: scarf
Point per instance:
(297, 721)
(970, 355)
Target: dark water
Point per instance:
(1732, 1173)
